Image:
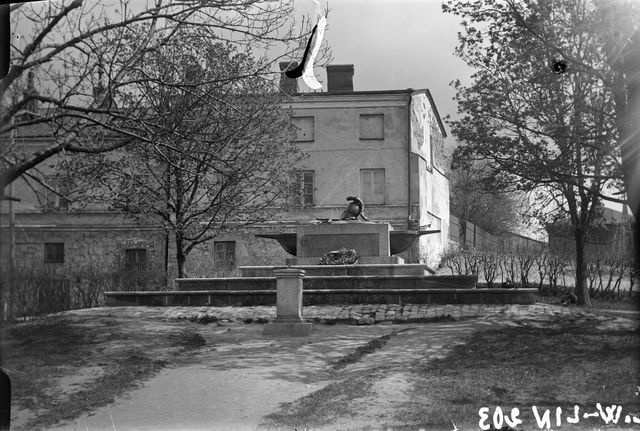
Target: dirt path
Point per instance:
(197, 398)
(236, 385)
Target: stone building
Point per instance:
(42, 231)
(387, 147)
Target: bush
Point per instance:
(33, 291)
(608, 277)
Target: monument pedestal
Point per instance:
(368, 239)
(362, 260)
(289, 319)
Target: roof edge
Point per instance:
(433, 106)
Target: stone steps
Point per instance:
(257, 297)
(336, 282)
(334, 270)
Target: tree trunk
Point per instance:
(582, 290)
(180, 255)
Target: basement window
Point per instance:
(224, 254)
(136, 258)
(54, 252)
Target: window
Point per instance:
(305, 126)
(371, 126)
(372, 186)
(55, 197)
(308, 186)
(224, 254)
(136, 258)
(54, 252)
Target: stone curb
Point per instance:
(372, 314)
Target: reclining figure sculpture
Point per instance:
(354, 209)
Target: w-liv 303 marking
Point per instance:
(608, 414)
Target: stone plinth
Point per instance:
(289, 319)
(365, 260)
(368, 239)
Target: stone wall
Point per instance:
(249, 250)
(101, 247)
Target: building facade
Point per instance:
(387, 147)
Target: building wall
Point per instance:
(336, 154)
(249, 250)
(429, 186)
(84, 246)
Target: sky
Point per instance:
(393, 45)
(397, 44)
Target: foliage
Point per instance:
(547, 131)
(461, 261)
(611, 276)
(476, 197)
(41, 291)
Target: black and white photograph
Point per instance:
(319, 215)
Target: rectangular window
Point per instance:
(55, 196)
(308, 187)
(372, 184)
(371, 126)
(54, 252)
(224, 254)
(136, 258)
(305, 128)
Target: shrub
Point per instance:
(35, 291)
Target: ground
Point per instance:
(147, 368)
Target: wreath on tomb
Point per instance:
(344, 256)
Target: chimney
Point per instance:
(339, 78)
(99, 91)
(288, 85)
(32, 105)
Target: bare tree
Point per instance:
(478, 196)
(75, 65)
(215, 149)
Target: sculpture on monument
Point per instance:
(354, 209)
(344, 242)
(344, 256)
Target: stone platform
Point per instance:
(333, 270)
(377, 277)
(336, 282)
(222, 298)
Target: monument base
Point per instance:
(363, 260)
(288, 329)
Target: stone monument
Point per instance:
(289, 320)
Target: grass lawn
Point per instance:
(44, 360)
(512, 367)
(525, 366)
